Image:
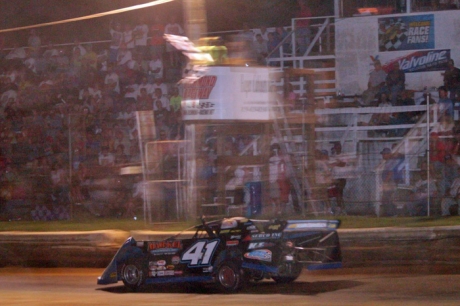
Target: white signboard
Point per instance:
(228, 93)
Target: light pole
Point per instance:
(195, 22)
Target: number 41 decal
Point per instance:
(200, 253)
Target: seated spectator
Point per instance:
(159, 83)
(120, 156)
(375, 85)
(130, 91)
(160, 101)
(144, 100)
(155, 68)
(17, 53)
(106, 158)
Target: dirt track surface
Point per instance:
(395, 286)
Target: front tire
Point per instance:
(133, 275)
(229, 277)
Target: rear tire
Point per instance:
(133, 275)
(288, 273)
(229, 277)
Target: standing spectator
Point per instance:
(446, 105)
(117, 38)
(175, 29)
(157, 42)
(302, 27)
(452, 197)
(389, 180)
(34, 43)
(272, 47)
(175, 101)
(338, 162)
(452, 80)
(128, 37)
(375, 84)
(260, 49)
(395, 82)
(263, 32)
(277, 179)
(89, 59)
(281, 34)
(424, 189)
(140, 37)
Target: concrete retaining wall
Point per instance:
(360, 247)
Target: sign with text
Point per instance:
(229, 93)
(406, 33)
(421, 61)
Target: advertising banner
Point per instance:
(406, 33)
(228, 93)
(421, 61)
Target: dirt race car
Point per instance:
(228, 253)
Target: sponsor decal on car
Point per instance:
(207, 269)
(161, 263)
(152, 273)
(229, 224)
(266, 236)
(169, 273)
(178, 272)
(263, 255)
(161, 273)
(232, 243)
(163, 247)
(274, 227)
(175, 260)
(235, 237)
(170, 267)
(259, 245)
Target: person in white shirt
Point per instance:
(111, 81)
(140, 37)
(158, 96)
(155, 68)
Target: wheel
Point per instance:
(132, 275)
(229, 277)
(288, 273)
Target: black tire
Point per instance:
(133, 275)
(229, 277)
(288, 273)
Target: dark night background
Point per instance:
(223, 15)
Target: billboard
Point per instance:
(421, 61)
(228, 93)
(406, 33)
